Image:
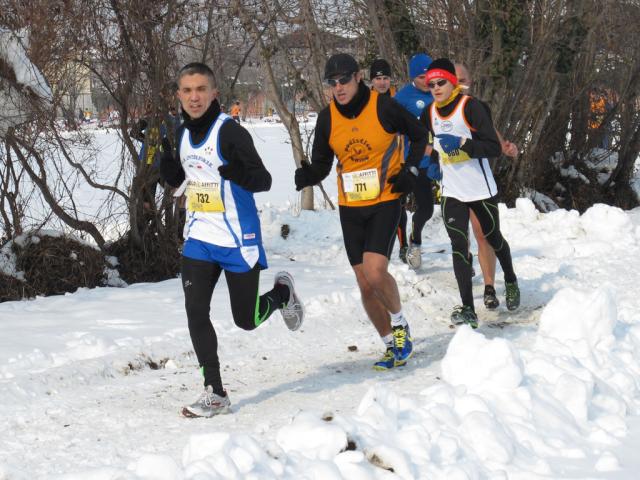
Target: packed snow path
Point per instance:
(91, 384)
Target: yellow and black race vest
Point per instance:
(367, 156)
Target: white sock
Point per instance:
(388, 340)
(398, 320)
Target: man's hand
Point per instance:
(404, 180)
(167, 155)
(509, 149)
(233, 171)
(304, 177)
(171, 170)
(449, 143)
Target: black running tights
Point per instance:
(424, 199)
(249, 310)
(455, 215)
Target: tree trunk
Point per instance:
(288, 118)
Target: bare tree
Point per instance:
(275, 51)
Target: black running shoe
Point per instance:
(512, 295)
(490, 299)
(464, 314)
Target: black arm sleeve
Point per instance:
(236, 145)
(322, 154)
(394, 118)
(484, 141)
(171, 169)
(425, 120)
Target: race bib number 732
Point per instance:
(204, 197)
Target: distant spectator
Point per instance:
(236, 111)
(599, 106)
(380, 77)
(114, 115)
(146, 131)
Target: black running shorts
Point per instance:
(369, 229)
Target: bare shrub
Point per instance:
(52, 265)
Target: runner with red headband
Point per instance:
(465, 138)
(486, 255)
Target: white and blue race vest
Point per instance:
(235, 221)
(464, 178)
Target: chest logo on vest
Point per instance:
(358, 149)
(446, 126)
(194, 159)
(420, 104)
(208, 150)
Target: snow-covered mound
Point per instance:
(91, 383)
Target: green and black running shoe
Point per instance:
(512, 294)
(464, 314)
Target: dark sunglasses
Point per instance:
(332, 82)
(439, 83)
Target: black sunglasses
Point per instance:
(332, 82)
(440, 83)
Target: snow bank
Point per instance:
(499, 412)
(607, 223)
(545, 400)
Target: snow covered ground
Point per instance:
(91, 383)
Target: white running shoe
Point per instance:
(293, 311)
(208, 405)
(414, 256)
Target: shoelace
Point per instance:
(388, 355)
(461, 310)
(512, 292)
(208, 400)
(401, 335)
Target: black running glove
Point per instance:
(170, 168)
(234, 172)
(304, 176)
(404, 180)
(166, 148)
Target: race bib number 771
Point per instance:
(361, 185)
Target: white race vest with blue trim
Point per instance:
(219, 212)
(464, 178)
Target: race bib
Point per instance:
(361, 185)
(204, 197)
(456, 156)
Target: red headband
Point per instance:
(440, 73)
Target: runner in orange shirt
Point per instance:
(360, 127)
